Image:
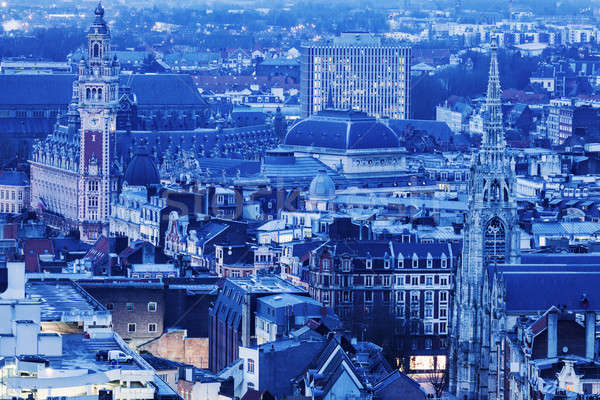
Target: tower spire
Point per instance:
(493, 143)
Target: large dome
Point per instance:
(141, 170)
(322, 186)
(342, 130)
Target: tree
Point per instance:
(438, 379)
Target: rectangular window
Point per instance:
(110, 306)
(400, 263)
(400, 297)
(152, 306)
(369, 263)
(368, 280)
(429, 297)
(387, 281)
(414, 280)
(429, 280)
(368, 296)
(444, 263)
(429, 311)
(152, 327)
(414, 297)
(444, 280)
(429, 328)
(346, 297)
(346, 265)
(429, 262)
(129, 307)
(250, 366)
(415, 262)
(443, 312)
(386, 264)
(443, 328)
(399, 280)
(130, 327)
(443, 297)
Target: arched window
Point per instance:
(494, 251)
(87, 93)
(94, 93)
(100, 94)
(96, 50)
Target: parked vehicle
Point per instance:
(119, 356)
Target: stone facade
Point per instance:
(73, 172)
(491, 237)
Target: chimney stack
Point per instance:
(552, 318)
(590, 335)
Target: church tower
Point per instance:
(491, 237)
(97, 105)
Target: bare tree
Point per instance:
(438, 379)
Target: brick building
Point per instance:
(144, 309)
(404, 286)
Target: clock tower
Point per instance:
(98, 88)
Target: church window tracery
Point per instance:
(494, 242)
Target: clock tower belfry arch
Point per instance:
(98, 88)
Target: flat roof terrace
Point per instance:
(63, 300)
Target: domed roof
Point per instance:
(321, 186)
(141, 170)
(342, 130)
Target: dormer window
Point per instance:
(415, 261)
(326, 264)
(346, 265)
(369, 263)
(444, 261)
(400, 261)
(386, 264)
(429, 260)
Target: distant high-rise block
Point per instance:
(358, 71)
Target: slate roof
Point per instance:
(536, 288)
(438, 129)
(565, 228)
(163, 89)
(57, 89)
(13, 178)
(342, 130)
(36, 89)
(411, 390)
(26, 126)
(295, 171)
(158, 363)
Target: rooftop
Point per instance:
(62, 298)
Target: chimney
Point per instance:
(590, 334)
(552, 329)
(246, 321)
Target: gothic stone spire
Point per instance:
(493, 144)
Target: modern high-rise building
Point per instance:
(358, 71)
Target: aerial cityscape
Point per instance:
(299, 199)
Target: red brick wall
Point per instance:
(175, 345)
